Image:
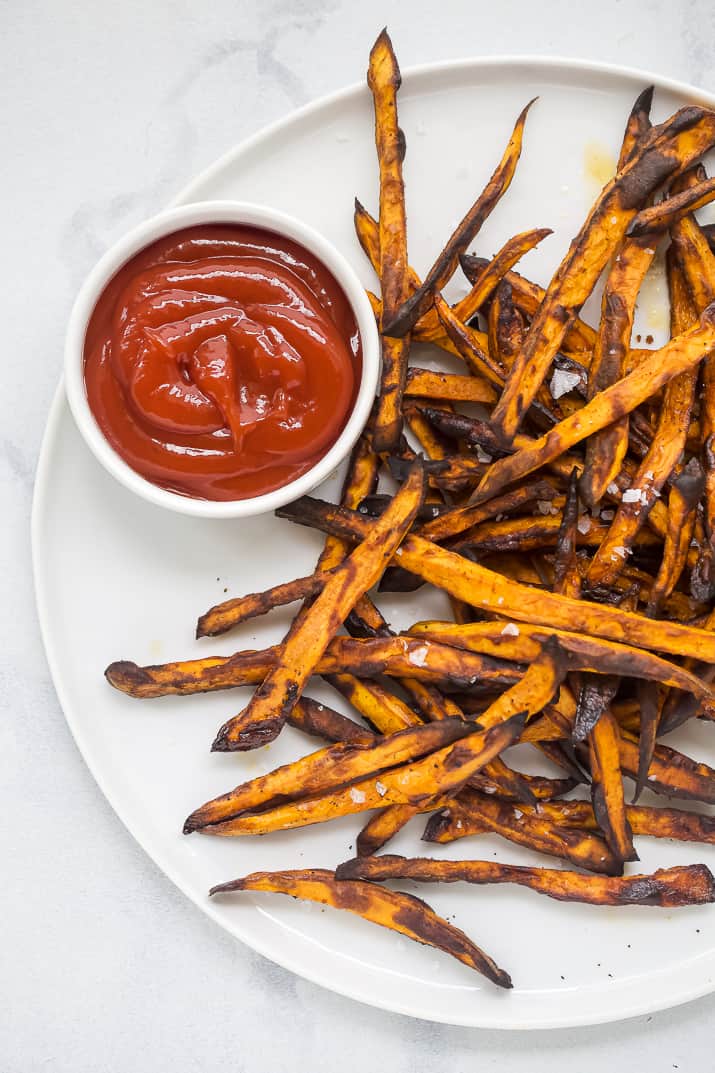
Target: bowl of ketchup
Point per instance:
(221, 359)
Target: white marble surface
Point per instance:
(108, 110)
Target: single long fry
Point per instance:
(607, 787)
(670, 772)
(262, 719)
(679, 355)
(390, 908)
(415, 783)
(667, 212)
(506, 327)
(673, 823)
(321, 721)
(384, 79)
(605, 450)
(453, 522)
(326, 768)
(473, 813)
(444, 267)
(669, 147)
(667, 887)
(489, 591)
(224, 616)
(424, 383)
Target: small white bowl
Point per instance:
(165, 223)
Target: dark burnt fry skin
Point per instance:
(594, 698)
(567, 579)
(321, 721)
(668, 887)
(675, 823)
(262, 719)
(670, 147)
(671, 772)
(446, 263)
(391, 909)
(383, 78)
(637, 126)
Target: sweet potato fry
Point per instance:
(416, 783)
(685, 493)
(671, 772)
(389, 908)
(494, 271)
(305, 643)
(596, 655)
(678, 356)
(491, 592)
(224, 616)
(321, 721)
(605, 450)
(473, 813)
(327, 768)
(669, 147)
(594, 698)
(638, 125)
(506, 327)
(382, 709)
(667, 212)
(383, 78)
(444, 267)
(673, 823)
(668, 887)
(607, 787)
(424, 383)
(451, 523)
(466, 343)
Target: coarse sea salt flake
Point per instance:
(583, 524)
(381, 788)
(562, 382)
(357, 796)
(608, 515)
(399, 551)
(612, 488)
(620, 550)
(482, 455)
(544, 506)
(510, 630)
(632, 495)
(418, 656)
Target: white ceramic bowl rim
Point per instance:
(175, 219)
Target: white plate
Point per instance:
(119, 578)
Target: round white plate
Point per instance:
(119, 578)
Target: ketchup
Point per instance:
(222, 361)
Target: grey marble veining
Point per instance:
(107, 111)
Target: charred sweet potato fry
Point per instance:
(321, 721)
(671, 772)
(383, 78)
(671, 209)
(451, 523)
(685, 494)
(424, 383)
(415, 783)
(391, 909)
(230, 613)
(669, 147)
(506, 327)
(607, 787)
(263, 718)
(327, 768)
(473, 813)
(444, 267)
(668, 888)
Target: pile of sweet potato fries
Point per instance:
(572, 526)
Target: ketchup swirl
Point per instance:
(222, 362)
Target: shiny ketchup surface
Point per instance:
(222, 361)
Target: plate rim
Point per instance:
(58, 409)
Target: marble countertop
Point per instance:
(110, 109)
